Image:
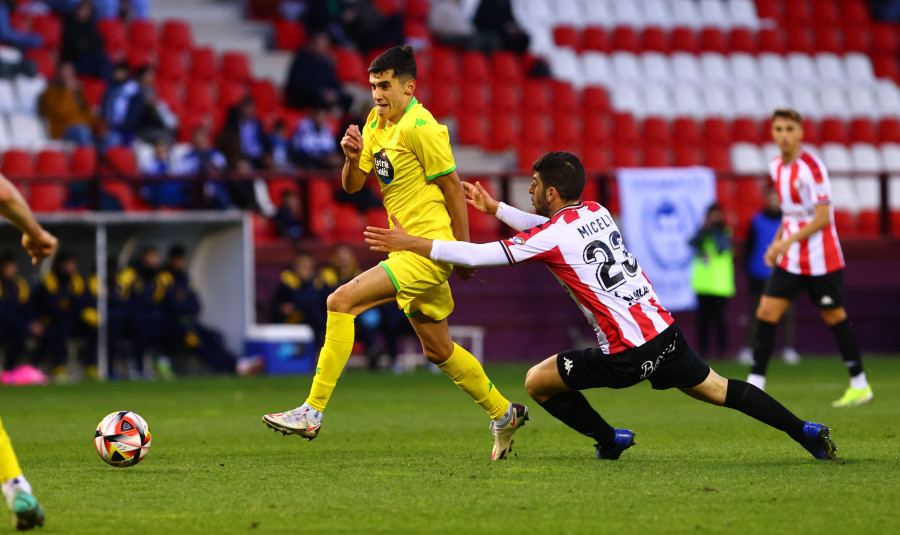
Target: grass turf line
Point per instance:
(410, 454)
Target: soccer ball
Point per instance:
(122, 439)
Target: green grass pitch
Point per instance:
(410, 454)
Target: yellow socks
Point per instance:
(467, 373)
(9, 464)
(339, 336)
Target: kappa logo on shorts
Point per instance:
(826, 300)
(568, 365)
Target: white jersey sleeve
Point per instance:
(518, 219)
(467, 254)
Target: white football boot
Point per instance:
(304, 421)
(503, 435)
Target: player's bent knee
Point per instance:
(340, 300)
(542, 381)
(833, 316)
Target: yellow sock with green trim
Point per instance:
(467, 373)
(335, 352)
(9, 464)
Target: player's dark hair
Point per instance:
(6, 257)
(563, 171)
(399, 58)
(789, 114)
(177, 251)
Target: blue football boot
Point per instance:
(624, 439)
(818, 441)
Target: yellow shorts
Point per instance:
(421, 284)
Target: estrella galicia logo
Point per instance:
(667, 228)
(383, 167)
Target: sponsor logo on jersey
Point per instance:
(383, 167)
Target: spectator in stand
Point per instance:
(58, 300)
(496, 17)
(370, 28)
(763, 227)
(713, 278)
(450, 26)
(244, 138)
(122, 9)
(287, 218)
(300, 296)
(312, 79)
(153, 118)
(207, 164)
(82, 43)
(17, 325)
(65, 109)
(181, 322)
(163, 193)
(313, 145)
(281, 146)
(324, 16)
(12, 37)
(118, 107)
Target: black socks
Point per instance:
(757, 404)
(846, 342)
(573, 409)
(765, 343)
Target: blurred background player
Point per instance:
(806, 256)
(638, 338)
(763, 227)
(27, 512)
(300, 296)
(143, 295)
(17, 325)
(410, 154)
(712, 276)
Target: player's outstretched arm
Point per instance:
(37, 242)
(478, 197)
(458, 253)
(352, 177)
(517, 219)
(459, 217)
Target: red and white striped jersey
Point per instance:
(583, 247)
(802, 184)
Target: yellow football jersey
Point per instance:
(406, 157)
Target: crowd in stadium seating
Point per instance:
(153, 313)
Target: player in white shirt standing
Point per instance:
(806, 256)
(638, 338)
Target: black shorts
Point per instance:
(667, 361)
(826, 291)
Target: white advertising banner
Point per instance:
(662, 208)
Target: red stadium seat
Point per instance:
(49, 27)
(625, 128)
(685, 132)
(655, 40)
(564, 97)
(445, 66)
(856, 39)
(124, 191)
(596, 100)
(203, 64)
(171, 66)
(684, 40)
(828, 39)
(625, 38)
(834, 131)
(862, 131)
(565, 131)
(811, 132)
(656, 132)
(503, 133)
(138, 57)
(746, 130)
(168, 93)
(507, 67)
(16, 164)
(595, 158)
(114, 39)
(528, 154)
(120, 161)
(716, 133)
(713, 40)
(235, 66)
(51, 163)
(417, 10)
(93, 89)
(655, 156)
(265, 95)
(800, 40)
(176, 34)
(289, 35)
(476, 102)
(884, 38)
(443, 100)
(43, 61)
(142, 33)
(349, 224)
(869, 224)
(826, 13)
(350, 67)
(504, 98)
(854, 13)
(472, 130)
(769, 9)
(889, 130)
(885, 66)
(686, 155)
(83, 162)
(717, 158)
(771, 40)
(566, 36)
(742, 40)
(475, 65)
(198, 97)
(625, 155)
(799, 12)
(534, 129)
(536, 96)
(230, 93)
(594, 38)
(278, 186)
